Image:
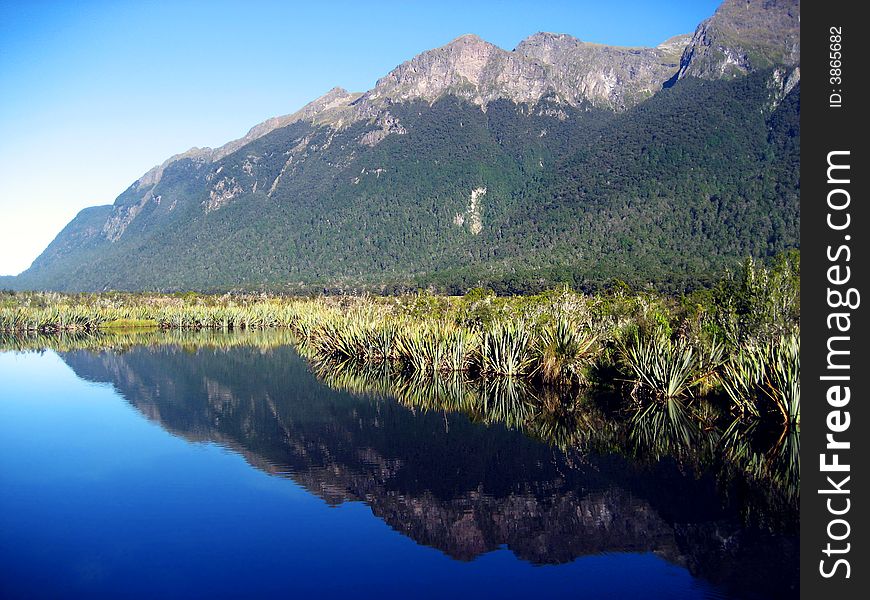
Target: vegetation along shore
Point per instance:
(738, 341)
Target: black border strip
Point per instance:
(834, 256)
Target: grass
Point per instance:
(763, 380)
(668, 368)
(565, 351)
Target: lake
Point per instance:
(223, 466)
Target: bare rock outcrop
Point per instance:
(744, 36)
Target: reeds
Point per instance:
(765, 378)
(665, 368)
(51, 313)
(564, 353)
(518, 375)
(507, 349)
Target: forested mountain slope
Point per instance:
(560, 161)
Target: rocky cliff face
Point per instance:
(545, 63)
(480, 72)
(744, 36)
(608, 76)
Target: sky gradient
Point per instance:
(93, 94)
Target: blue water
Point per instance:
(121, 489)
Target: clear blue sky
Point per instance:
(93, 94)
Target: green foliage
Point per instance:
(506, 349)
(757, 303)
(665, 368)
(763, 379)
(565, 352)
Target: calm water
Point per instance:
(186, 471)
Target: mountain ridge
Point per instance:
(341, 99)
(288, 197)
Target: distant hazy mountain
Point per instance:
(558, 161)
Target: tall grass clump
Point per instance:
(506, 349)
(564, 353)
(765, 378)
(664, 368)
(338, 339)
(437, 347)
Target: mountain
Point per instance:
(743, 37)
(545, 63)
(559, 161)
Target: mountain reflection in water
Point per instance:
(470, 468)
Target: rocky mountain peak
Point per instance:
(335, 97)
(613, 77)
(153, 175)
(467, 39)
(544, 36)
(545, 40)
(544, 45)
(544, 63)
(465, 64)
(744, 36)
(480, 72)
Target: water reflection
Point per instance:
(468, 467)
(649, 432)
(663, 428)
